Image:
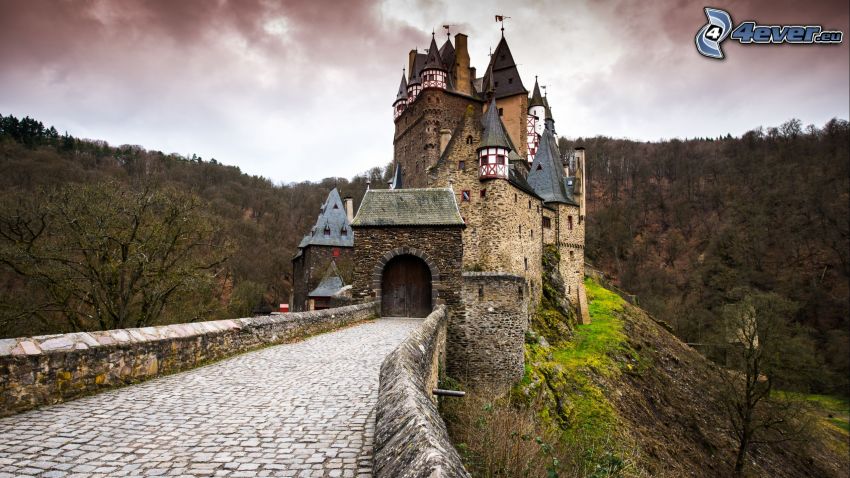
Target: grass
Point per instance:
(833, 410)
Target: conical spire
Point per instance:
(536, 98)
(494, 134)
(547, 174)
(434, 61)
(402, 89)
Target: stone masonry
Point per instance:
(490, 335)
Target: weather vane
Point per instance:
(501, 19)
(448, 33)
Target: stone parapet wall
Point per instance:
(36, 371)
(487, 341)
(410, 436)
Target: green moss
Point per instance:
(565, 381)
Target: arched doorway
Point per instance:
(406, 287)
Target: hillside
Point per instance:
(686, 224)
(260, 222)
(623, 396)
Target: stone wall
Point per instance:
(410, 436)
(488, 346)
(571, 248)
(417, 132)
(36, 371)
(504, 225)
(440, 247)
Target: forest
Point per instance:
(687, 226)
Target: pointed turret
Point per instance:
(400, 98)
(434, 73)
(495, 147)
(536, 97)
(549, 120)
(547, 174)
(504, 73)
(414, 79)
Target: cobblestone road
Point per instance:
(303, 409)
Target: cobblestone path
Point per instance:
(303, 409)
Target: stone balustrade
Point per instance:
(36, 371)
(410, 436)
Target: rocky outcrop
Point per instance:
(410, 436)
(36, 371)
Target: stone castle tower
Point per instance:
(495, 146)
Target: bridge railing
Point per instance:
(36, 371)
(410, 436)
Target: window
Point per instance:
(539, 167)
(571, 254)
(336, 251)
(529, 203)
(480, 292)
(496, 84)
(500, 159)
(526, 262)
(327, 231)
(469, 139)
(547, 223)
(461, 165)
(483, 193)
(344, 231)
(519, 292)
(464, 196)
(520, 229)
(570, 222)
(501, 111)
(336, 206)
(510, 81)
(515, 197)
(531, 233)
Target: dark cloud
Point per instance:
(275, 85)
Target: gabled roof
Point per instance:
(408, 207)
(503, 72)
(402, 89)
(547, 174)
(331, 283)
(536, 98)
(494, 132)
(434, 60)
(332, 219)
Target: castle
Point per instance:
(480, 187)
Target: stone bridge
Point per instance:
(307, 408)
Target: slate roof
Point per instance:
(447, 53)
(402, 89)
(434, 60)
(503, 72)
(536, 98)
(494, 132)
(331, 283)
(547, 173)
(333, 217)
(408, 207)
(414, 77)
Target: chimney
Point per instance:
(445, 137)
(349, 208)
(461, 66)
(411, 58)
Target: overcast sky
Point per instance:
(303, 89)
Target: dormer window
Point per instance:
(344, 231)
(327, 231)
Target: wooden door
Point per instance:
(406, 288)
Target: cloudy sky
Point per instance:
(302, 89)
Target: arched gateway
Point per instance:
(406, 287)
